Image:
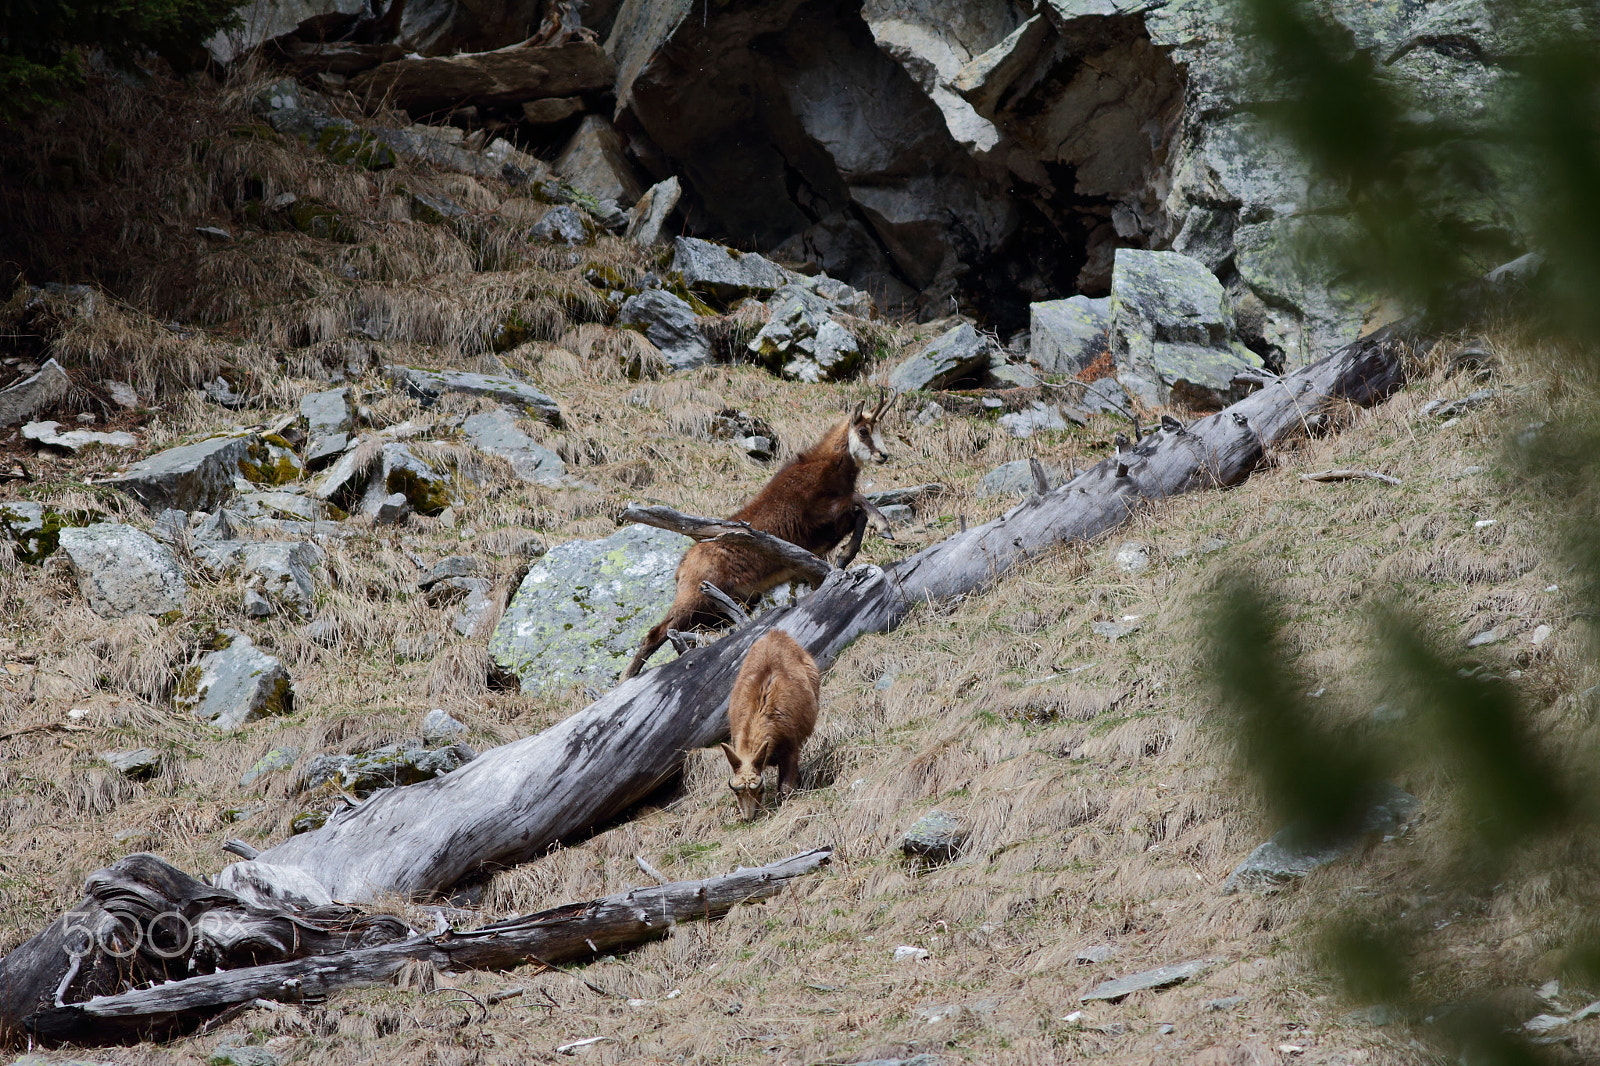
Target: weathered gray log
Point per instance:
(515, 801)
(561, 934)
(813, 568)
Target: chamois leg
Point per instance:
(875, 516)
(845, 557)
(680, 615)
(788, 772)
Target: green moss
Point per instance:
(317, 219)
(187, 694)
(352, 147)
(429, 496)
(37, 538)
(280, 699)
(308, 821)
(514, 330)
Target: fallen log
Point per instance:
(117, 1008)
(808, 565)
(513, 802)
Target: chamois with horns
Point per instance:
(771, 713)
(811, 502)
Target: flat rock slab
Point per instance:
(52, 435)
(429, 384)
(1289, 856)
(802, 342)
(137, 764)
(953, 355)
(123, 571)
(725, 274)
(190, 477)
(496, 433)
(1066, 335)
(1160, 977)
(23, 399)
(669, 323)
(236, 684)
(584, 608)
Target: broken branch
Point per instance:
(726, 531)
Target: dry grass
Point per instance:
(1099, 795)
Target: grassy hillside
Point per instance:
(1094, 774)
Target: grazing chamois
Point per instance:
(771, 713)
(811, 502)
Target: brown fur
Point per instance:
(811, 502)
(771, 713)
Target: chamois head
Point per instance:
(746, 779)
(866, 442)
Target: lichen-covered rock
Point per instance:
(234, 684)
(1170, 324)
(802, 342)
(1290, 854)
(122, 570)
(670, 323)
(34, 529)
(400, 470)
(190, 477)
(496, 433)
(936, 837)
(1064, 336)
(279, 758)
(583, 609)
(429, 384)
(953, 355)
(439, 725)
(385, 767)
(725, 274)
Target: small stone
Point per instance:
(214, 233)
(439, 725)
(230, 1054)
(220, 391)
(1544, 1023)
(563, 224)
(898, 514)
(724, 274)
(935, 837)
(321, 631)
(1488, 636)
(1225, 1003)
(907, 953)
(20, 400)
(1016, 477)
(392, 510)
(280, 758)
(1288, 856)
(884, 683)
(1160, 977)
(121, 393)
(496, 433)
(49, 434)
(1036, 417)
(1095, 953)
(1114, 630)
(1066, 335)
(385, 767)
(1539, 635)
(256, 605)
(428, 385)
(1132, 556)
(530, 548)
(137, 764)
(450, 567)
(1166, 1029)
(802, 342)
(930, 413)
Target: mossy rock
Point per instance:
(317, 219)
(352, 147)
(35, 528)
(271, 461)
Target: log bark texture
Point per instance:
(355, 952)
(513, 802)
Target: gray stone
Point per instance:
(451, 566)
(935, 837)
(401, 471)
(322, 631)
(171, 527)
(496, 433)
(845, 298)
(898, 514)
(34, 529)
(1290, 854)
(256, 605)
(583, 610)
(1037, 416)
(1064, 336)
(21, 400)
(563, 224)
(530, 547)
(1016, 477)
(392, 509)
(385, 767)
(955, 354)
(51, 435)
(191, 477)
(122, 394)
(1132, 556)
(650, 214)
(1095, 953)
(924, 1059)
(229, 1053)
(909, 494)
(1012, 376)
(1160, 977)
(429, 384)
(1170, 324)
(122, 571)
(439, 724)
(292, 505)
(1115, 630)
(279, 758)
(220, 391)
(670, 324)
(137, 764)
(594, 161)
(278, 572)
(551, 110)
(330, 417)
(724, 274)
(802, 342)
(235, 684)
(475, 611)
(1225, 1003)
(418, 646)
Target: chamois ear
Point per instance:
(761, 753)
(855, 416)
(733, 756)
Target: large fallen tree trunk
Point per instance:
(513, 802)
(117, 966)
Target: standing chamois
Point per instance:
(811, 502)
(771, 713)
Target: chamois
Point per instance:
(811, 502)
(771, 713)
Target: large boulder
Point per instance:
(234, 684)
(583, 610)
(190, 477)
(1170, 324)
(723, 273)
(594, 161)
(957, 353)
(122, 571)
(671, 324)
(1064, 336)
(802, 341)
